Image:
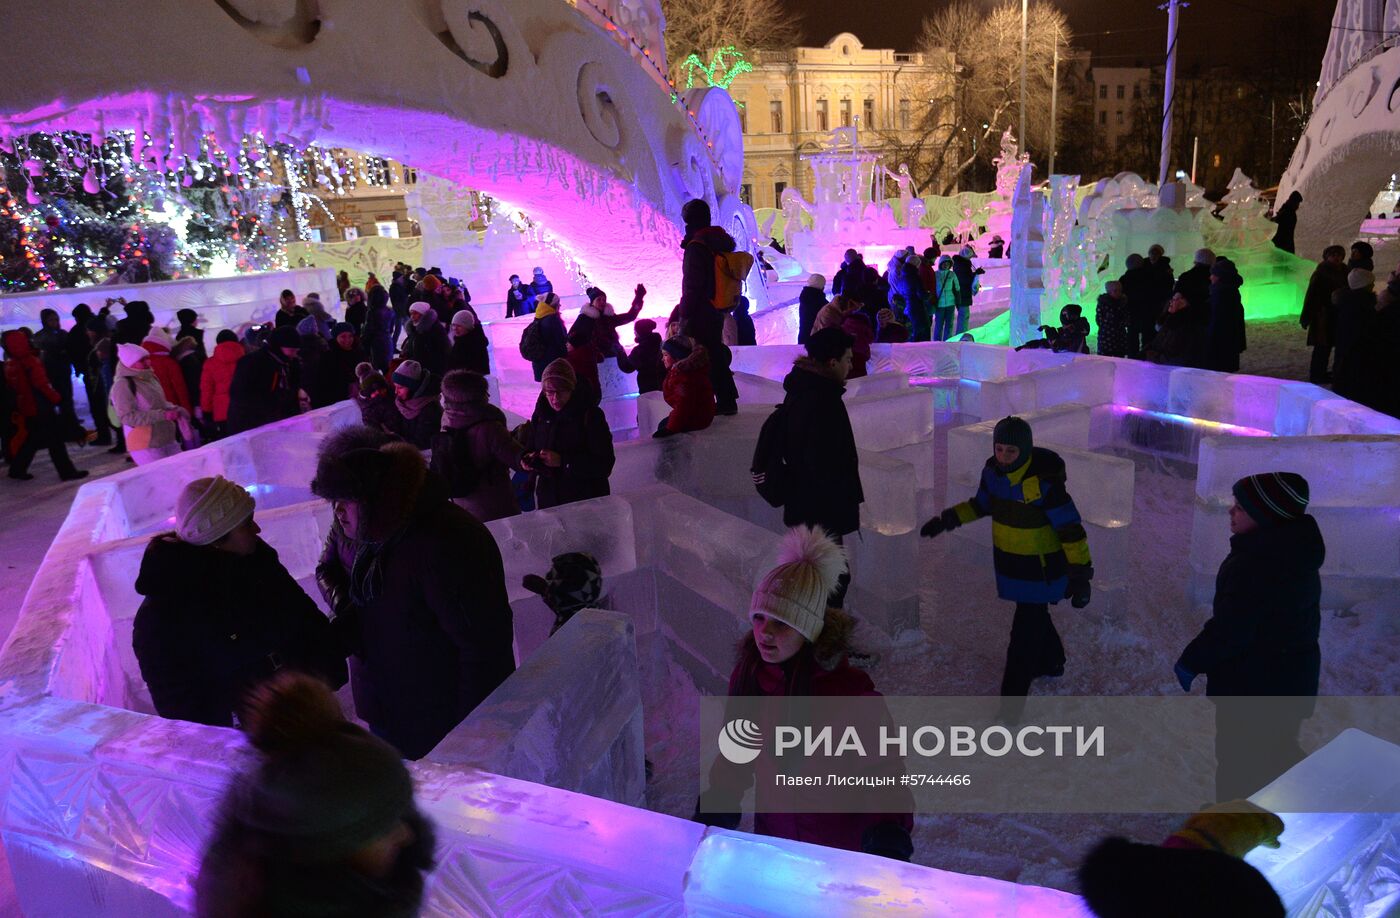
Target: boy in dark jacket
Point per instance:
(551, 338)
(1262, 636)
(1039, 549)
(700, 319)
(221, 613)
(820, 452)
(417, 588)
(571, 448)
(474, 452)
(687, 388)
(646, 356)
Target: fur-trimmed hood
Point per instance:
(379, 471)
(697, 362)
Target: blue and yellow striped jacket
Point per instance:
(1036, 531)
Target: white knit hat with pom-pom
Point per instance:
(796, 590)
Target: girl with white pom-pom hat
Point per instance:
(798, 645)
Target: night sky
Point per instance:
(1241, 32)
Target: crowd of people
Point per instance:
(420, 624)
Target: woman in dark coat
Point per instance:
(1225, 335)
(474, 452)
(799, 646)
(810, 302)
(380, 323)
(335, 372)
(1262, 636)
(646, 356)
(220, 612)
(571, 448)
(417, 395)
(468, 344)
(427, 339)
(1356, 310)
(1319, 315)
(551, 336)
(417, 586)
(1287, 221)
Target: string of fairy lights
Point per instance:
(75, 210)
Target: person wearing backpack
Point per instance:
(701, 318)
(474, 452)
(544, 340)
(806, 453)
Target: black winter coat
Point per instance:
(554, 342)
(809, 302)
(214, 624)
(698, 278)
(335, 373)
(1111, 317)
(427, 344)
(1163, 279)
(469, 352)
(1356, 311)
(1225, 335)
(580, 435)
(433, 636)
(1194, 284)
(1137, 288)
(264, 389)
(646, 357)
(1319, 315)
(476, 460)
(824, 489)
(1261, 638)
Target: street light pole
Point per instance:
(1054, 95)
(1024, 34)
(1169, 90)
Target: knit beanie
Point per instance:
(679, 347)
(1123, 879)
(797, 588)
(408, 374)
(1205, 257)
(210, 508)
(1360, 279)
(158, 335)
(1069, 312)
(1223, 267)
(1273, 497)
(1013, 431)
(695, 213)
(574, 582)
(131, 354)
(326, 788)
(341, 328)
(561, 374)
(422, 306)
(816, 281)
(186, 316)
(312, 303)
(463, 386)
(309, 327)
(644, 326)
(463, 319)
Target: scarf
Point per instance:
(410, 408)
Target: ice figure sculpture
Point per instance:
(1009, 163)
(1063, 278)
(1027, 254)
(1244, 224)
(847, 208)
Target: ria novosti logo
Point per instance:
(740, 741)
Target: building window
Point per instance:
(410, 175)
(377, 171)
(904, 114)
(352, 233)
(746, 194)
(1103, 118)
(1118, 116)
(1103, 90)
(1137, 90)
(387, 228)
(775, 116)
(743, 120)
(868, 113)
(314, 234)
(1215, 161)
(1120, 91)
(823, 122)
(845, 112)
(778, 189)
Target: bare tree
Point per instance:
(701, 26)
(965, 112)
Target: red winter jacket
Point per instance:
(857, 325)
(835, 830)
(172, 379)
(688, 391)
(216, 378)
(24, 376)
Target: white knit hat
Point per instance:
(159, 336)
(796, 590)
(210, 508)
(131, 354)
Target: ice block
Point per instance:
(889, 486)
(1341, 471)
(1245, 401)
(891, 420)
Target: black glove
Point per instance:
(886, 839)
(1078, 591)
(718, 820)
(944, 522)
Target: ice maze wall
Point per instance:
(106, 807)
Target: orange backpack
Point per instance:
(730, 270)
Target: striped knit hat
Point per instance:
(1273, 497)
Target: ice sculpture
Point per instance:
(1245, 223)
(1027, 254)
(847, 208)
(1010, 163)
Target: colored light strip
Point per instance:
(1234, 430)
